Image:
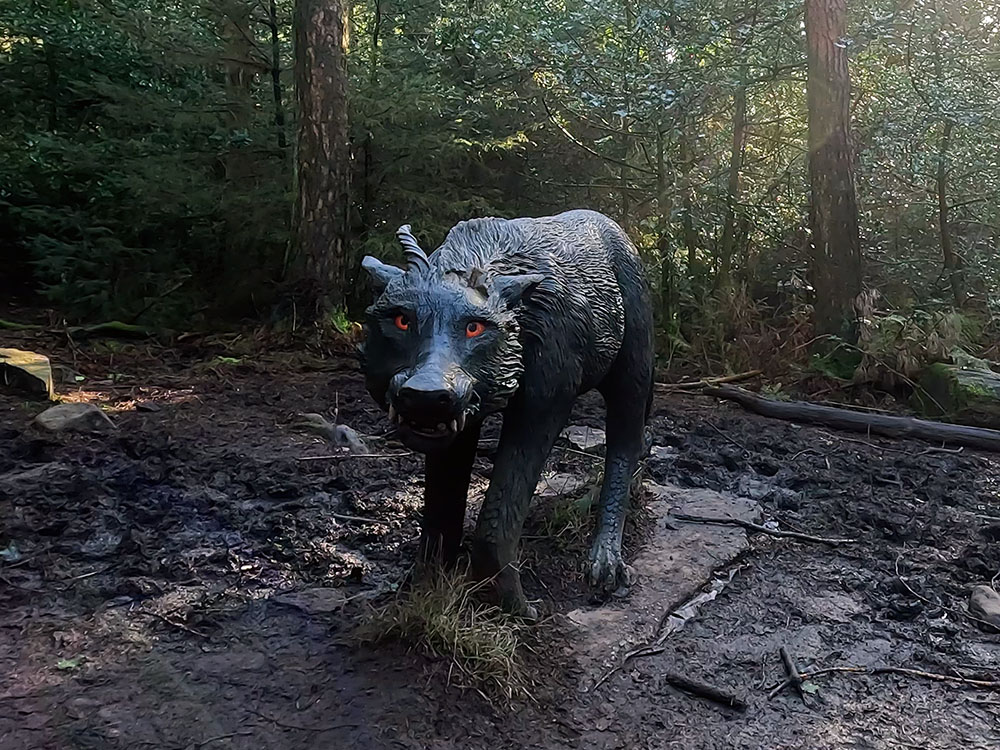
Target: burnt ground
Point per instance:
(182, 582)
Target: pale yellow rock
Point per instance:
(26, 371)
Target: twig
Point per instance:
(982, 684)
(227, 736)
(577, 452)
(750, 526)
(704, 690)
(178, 625)
(18, 586)
(734, 441)
(342, 456)
(96, 571)
(933, 603)
(952, 451)
(739, 377)
(287, 725)
(354, 519)
(793, 672)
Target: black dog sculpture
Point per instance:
(519, 316)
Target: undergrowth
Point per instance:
(441, 617)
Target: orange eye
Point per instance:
(474, 329)
(402, 322)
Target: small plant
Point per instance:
(775, 391)
(340, 321)
(440, 616)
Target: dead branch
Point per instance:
(705, 382)
(750, 526)
(852, 421)
(981, 684)
(794, 678)
(704, 690)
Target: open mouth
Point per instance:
(425, 430)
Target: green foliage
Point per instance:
(140, 173)
(112, 159)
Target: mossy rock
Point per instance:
(959, 394)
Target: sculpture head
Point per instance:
(442, 345)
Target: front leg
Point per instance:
(446, 490)
(530, 428)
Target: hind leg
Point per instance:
(627, 394)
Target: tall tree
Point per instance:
(835, 241)
(321, 38)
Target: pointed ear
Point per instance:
(381, 273)
(513, 287)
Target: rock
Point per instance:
(77, 417)
(583, 437)
(963, 395)
(339, 435)
(671, 568)
(663, 452)
(26, 371)
(984, 603)
(556, 484)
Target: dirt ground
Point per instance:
(184, 582)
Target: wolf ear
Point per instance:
(381, 273)
(512, 288)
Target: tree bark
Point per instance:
(321, 36)
(835, 241)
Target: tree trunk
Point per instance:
(276, 89)
(836, 245)
(687, 220)
(665, 251)
(238, 64)
(952, 263)
(321, 35)
(727, 247)
(367, 208)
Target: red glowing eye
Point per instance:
(474, 329)
(402, 322)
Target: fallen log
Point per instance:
(852, 421)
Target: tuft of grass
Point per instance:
(441, 617)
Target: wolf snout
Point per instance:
(432, 398)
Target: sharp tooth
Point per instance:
(392, 413)
(461, 422)
(454, 425)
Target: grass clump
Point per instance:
(441, 617)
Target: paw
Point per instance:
(608, 572)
